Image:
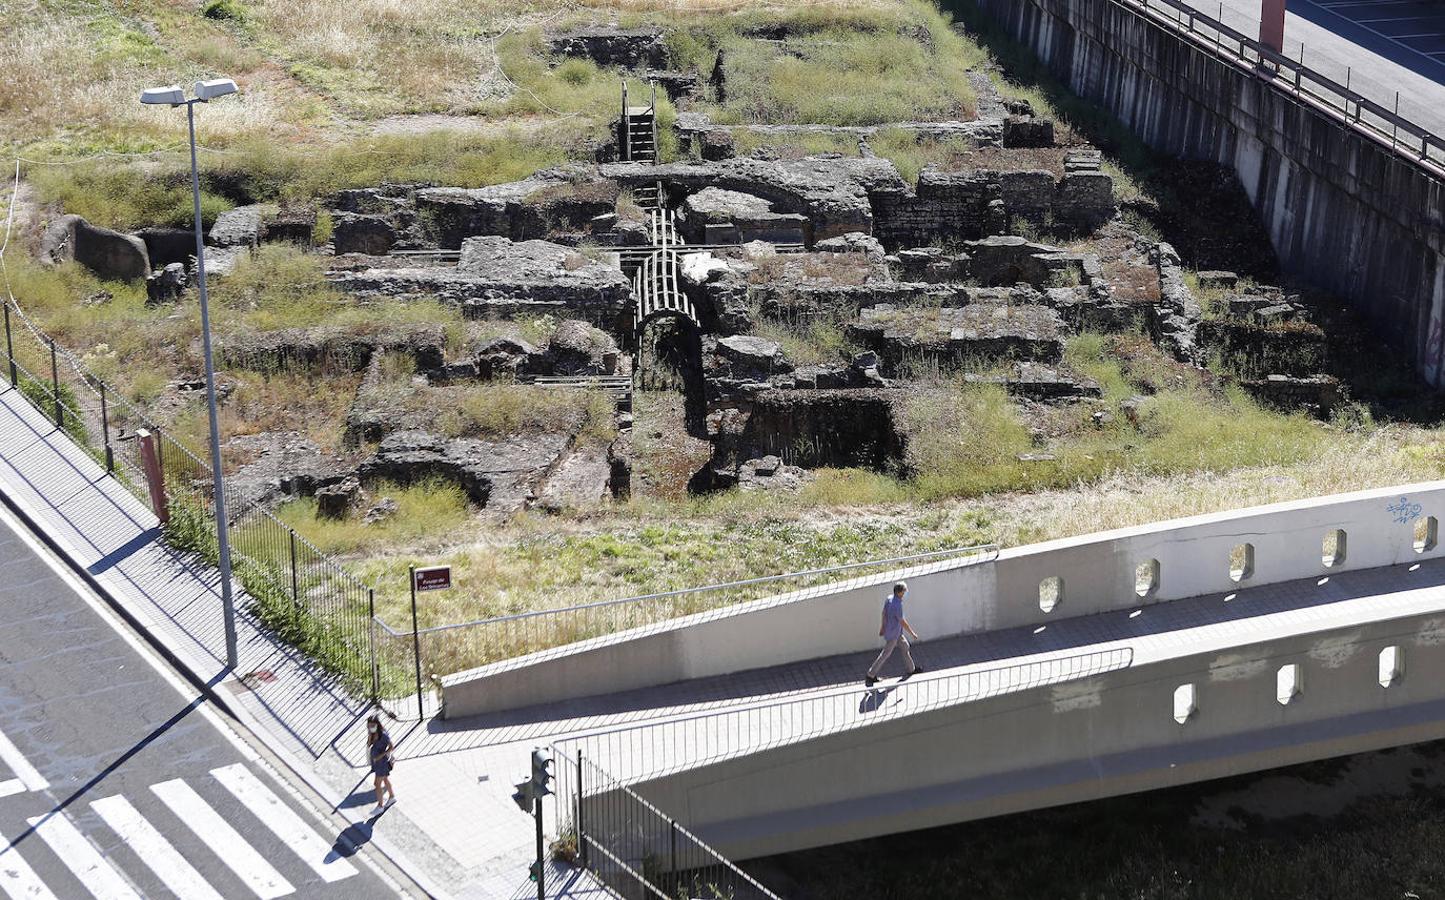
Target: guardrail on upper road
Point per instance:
(1381, 123)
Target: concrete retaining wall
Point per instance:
(1343, 211)
(1099, 573)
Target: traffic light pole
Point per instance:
(541, 865)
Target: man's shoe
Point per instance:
(870, 681)
(377, 810)
(916, 670)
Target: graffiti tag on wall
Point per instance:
(1404, 512)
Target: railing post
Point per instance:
(1395, 123)
(416, 645)
(672, 831)
(295, 582)
(581, 833)
(55, 385)
(371, 645)
(105, 432)
(10, 349)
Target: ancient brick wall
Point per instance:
(978, 203)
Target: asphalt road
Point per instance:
(117, 779)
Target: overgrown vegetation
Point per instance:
(427, 512)
(314, 619)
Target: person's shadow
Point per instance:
(355, 837)
(873, 700)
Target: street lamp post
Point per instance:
(173, 96)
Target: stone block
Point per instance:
(239, 227)
(168, 245)
(370, 235)
(1026, 131)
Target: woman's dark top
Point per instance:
(380, 762)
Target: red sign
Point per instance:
(435, 578)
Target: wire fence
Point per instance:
(1334, 93)
(295, 590)
(634, 848)
(529, 637)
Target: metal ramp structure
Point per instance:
(618, 387)
(637, 142)
(656, 284)
(657, 293)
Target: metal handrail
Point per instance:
(1185, 21)
(660, 745)
(989, 549)
(589, 838)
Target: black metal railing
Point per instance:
(634, 848)
(294, 590)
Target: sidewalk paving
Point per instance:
(303, 717)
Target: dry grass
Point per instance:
(310, 404)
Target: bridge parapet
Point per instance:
(1096, 573)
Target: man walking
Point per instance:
(892, 629)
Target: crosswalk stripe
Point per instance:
(22, 768)
(98, 876)
(259, 875)
(17, 879)
(11, 786)
(152, 847)
(288, 826)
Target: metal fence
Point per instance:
(639, 851)
(634, 848)
(295, 590)
(664, 745)
(1382, 123)
(530, 636)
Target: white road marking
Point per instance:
(333, 871)
(98, 876)
(22, 768)
(17, 879)
(152, 847)
(259, 875)
(281, 819)
(11, 786)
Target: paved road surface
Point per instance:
(117, 781)
(1381, 46)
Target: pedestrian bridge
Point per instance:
(1057, 672)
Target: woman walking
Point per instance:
(381, 749)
